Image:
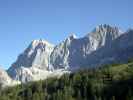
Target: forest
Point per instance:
(108, 82)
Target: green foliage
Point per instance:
(110, 82)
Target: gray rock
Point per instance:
(104, 45)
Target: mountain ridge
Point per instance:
(104, 45)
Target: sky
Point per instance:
(22, 21)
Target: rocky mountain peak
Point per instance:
(36, 45)
(36, 55)
(72, 36)
(106, 28)
(40, 42)
(69, 39)
(104, 34)
(100, 46)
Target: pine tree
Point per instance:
(29, 94)
(35, 96)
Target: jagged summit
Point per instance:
(35, 43)
(104, 34)
(36, 56)
(68, 40)
(106, 28)
(73, 52)
(101, 46)
(72, 36)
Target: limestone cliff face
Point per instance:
(104, 45)
(5, 79)
(36, 56)
(73, 52)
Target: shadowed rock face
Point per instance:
(74, 52)
(104, 45)
(119, 51)
(105, 34)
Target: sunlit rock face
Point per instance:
(37, 56)
(59, 56)
(73, 52)
(104, 45)
(5, 79)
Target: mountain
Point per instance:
(33, 63)
(75, 52)
(119, 51)
(36, 55)
(5, 80)
(104, 45)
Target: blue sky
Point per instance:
(22, 21)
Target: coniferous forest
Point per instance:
(109, 82)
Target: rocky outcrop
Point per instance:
(5, 80)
